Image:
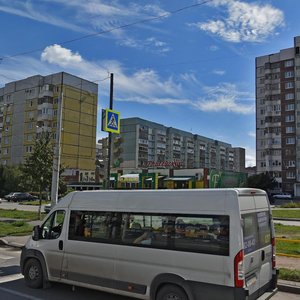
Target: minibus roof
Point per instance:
(168, 201)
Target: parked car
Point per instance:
(10, 195)
(22, 197)
(282, 196)
(47, 208)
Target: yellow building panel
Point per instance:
(71, 115)
(86, 164)
(71, 138)
(87, 130)
(71, 103)
(69, 126)
(86, 119)
(85, 151)
(88, 108)
(69, 162)
(69, 149)
(87, 141)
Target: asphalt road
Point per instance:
(12, 205)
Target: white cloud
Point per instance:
(150, 44)
(250, 157)
(213, 48)
(252, 134)
(219, 72)
(225, 97)
(248, 22)
(60, 56)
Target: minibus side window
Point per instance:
(256, 231)
(95, 226)
(51, 229)
(264, 227)
(201, 233)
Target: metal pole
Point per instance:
(57, 150)
(109, 134)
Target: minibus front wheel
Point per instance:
(33, 273)
(171, 292)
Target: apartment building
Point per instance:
(278, 116)
(144, 145)
(31, 106)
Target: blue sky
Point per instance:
(186, 64)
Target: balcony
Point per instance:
(43, 129)
(46, 91)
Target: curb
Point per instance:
(286, 219)
(288, 286)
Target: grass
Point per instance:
(15, 228)
(290, 233)
(19, 214)
(285, 247)
(286, 231)
(291, 205)
(287, 274)
(283, 213)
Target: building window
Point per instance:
(290, 96)
(290, 129)
(291, 163)
(289, 74)
(289, 63)
(290, 141)
(290, 175)
(289, 85)
(28, 149)
(290, 107)
(290, 118)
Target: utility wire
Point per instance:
(113, 29)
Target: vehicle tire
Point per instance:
(33, 273)
(171, 292)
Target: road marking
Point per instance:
(5, 257)
(21, 295)
(8, 278)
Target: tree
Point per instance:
(9, 179)
(262, 181)
(37, 169)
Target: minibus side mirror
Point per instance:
(36, 234)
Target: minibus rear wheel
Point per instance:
(171, 292)
(33, 273)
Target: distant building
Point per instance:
(31, 106)
(278, 116)
(144, 145)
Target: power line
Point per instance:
(112, 29)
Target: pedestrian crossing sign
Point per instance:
(112, 121)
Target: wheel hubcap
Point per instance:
(33, 272)
(172, 296)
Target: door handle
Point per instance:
(60, 245)
(263, 255)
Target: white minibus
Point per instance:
(206, 244)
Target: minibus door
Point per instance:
(51, 242)
(258, 251)
(265, 248)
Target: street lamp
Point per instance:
(57, 149)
